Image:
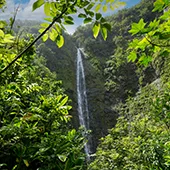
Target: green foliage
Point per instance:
(34, 113)
(2, 3)
(140, 139)
(64, 9)
(154, 37)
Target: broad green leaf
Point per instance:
(68, 22)
(90, 6)
(132, 56)
(158, 5)
(104, 32)
(47, 9)
(60, 41)
(145, 60)
(41, 30)
(58, 28)
(97, 8)
(143, 43)
(1, 33)
(26, 163)
(53, 34)
(90, 13)
(45, 37)
(8, 38)
(98, 16)
(48, 19)
(137, 27)
(96, 29)
(82, 16)
(37, 4)
(2, 24)
(44, 24)
(87, 20)
(107, 26)
(104, 8)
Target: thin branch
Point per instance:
(14, 18)
(31, 44)
(158, 45)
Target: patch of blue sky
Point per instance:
(21, 1)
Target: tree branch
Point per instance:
(31, 44)
(158, 45)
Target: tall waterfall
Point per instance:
(83, 111)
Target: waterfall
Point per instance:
(83, 111)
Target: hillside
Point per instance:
(110, 78)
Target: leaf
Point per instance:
(1, 165)
(44, 24)
(58, 28)
(37, 4)
(26, 163)
(53, 34)
(64, 101)
(47, 9)
(62, 158)
(98, 16)
(96, 29)
(68, 22)
(104, 8)
(8, 38)
(1, 33)
(97, 7)
(107, 26)
(104, 32)
(82, 16)
(90, 6)
(158, 5)
(60, 41)
(87, 20)
(14, 167)
(45, 37)
(132, 56)
(137, 27)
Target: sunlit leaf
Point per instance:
(104, 33)
(45, 37)
(37, 4)
(132, 56)
(60, 41)
(137, 27)
(104, 8)
(1, 33)
(97, 7)
(47, 8)
(96, 29)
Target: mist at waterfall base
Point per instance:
(83, 112)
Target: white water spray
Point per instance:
(83, 111)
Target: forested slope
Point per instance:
(110, 78)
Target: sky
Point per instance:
(25, 12)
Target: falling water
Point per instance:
(83, 111)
